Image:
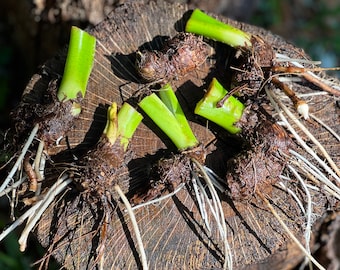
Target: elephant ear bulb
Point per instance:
(179, 56)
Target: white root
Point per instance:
(215, 179)
(228, 262)
(20, 158)
(160, 198)
(13, 186)
(135, 227)
(328, 128)
(200, 200)
(293, 194)
(213, 209)
(291, 235)
(308, 229)
(33, 219)
(57, 187)
(309, 168)
(334, 170)
(315, 178)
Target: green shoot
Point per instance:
(168, 115)
(225, 116)
(111, 128)
(205, 25)
(122, 124)
(128, 121)
(169, 98)
(78, 66)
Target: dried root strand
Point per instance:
(135, 227)
(58, 187)
(278, 105)
(20, 158)
(218, 214)
(34, 213)
(321, 84)
(289, 232)
(39, 166)
(307, 73)
(32, 177)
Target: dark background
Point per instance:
(32, 31)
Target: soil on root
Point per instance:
(54, 117)
(264, 158)
(249, 67)
(173, 231)
(102, 168)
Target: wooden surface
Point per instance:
(173, 232)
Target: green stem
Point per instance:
(122, 124)
(169, 117)
(207, 26)
(128, 121)
(78, 66)
(170, 100)
(225, 116)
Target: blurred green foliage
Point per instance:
(11, 258)
(309, 24)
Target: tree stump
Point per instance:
(173, 232)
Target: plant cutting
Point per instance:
(262, 139)
(67, 102)
(171, 172)
(202, 24)
(112, 148)
(122, 125)
(104, 166)
(56, 116)
(78, 66)
(52, 120)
